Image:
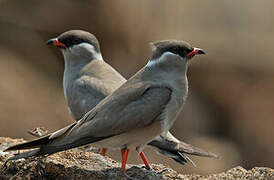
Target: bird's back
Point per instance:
(87, 85)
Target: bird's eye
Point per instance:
(76, 41)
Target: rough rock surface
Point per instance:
(80, 164)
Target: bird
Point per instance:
(141, 109)
(88, 79)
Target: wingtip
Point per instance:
(214, 155)
(211, 155)
(187, 159)
(8, 149)
(192, 150)
(35, 152)
(13, 148)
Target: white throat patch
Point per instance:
(80, 48)
(160, 59)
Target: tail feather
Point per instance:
(23, 155)
(50, 149)
(180, 147)
(41, 141)
(176, 156)
(46, 148)
(187, 158)
(177, 150)
(52, 143)
(29, 145)
(190, 149)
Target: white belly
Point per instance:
(132, 139)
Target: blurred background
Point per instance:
(230, 110)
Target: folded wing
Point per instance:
(132, 106)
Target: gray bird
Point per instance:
(143, 108)
(88, 79)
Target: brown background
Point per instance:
(230, 110)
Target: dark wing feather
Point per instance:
(171, 145)
(136, 106)
(133, 107)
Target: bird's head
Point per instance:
(77, 44)
(172, 51)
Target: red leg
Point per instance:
(103, 151)
(145, 160)
(124, 153)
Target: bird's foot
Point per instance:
(149, 168)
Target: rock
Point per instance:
(80, 164)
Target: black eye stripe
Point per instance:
(180, 51)
(70, 41)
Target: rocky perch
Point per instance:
(80, 164)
